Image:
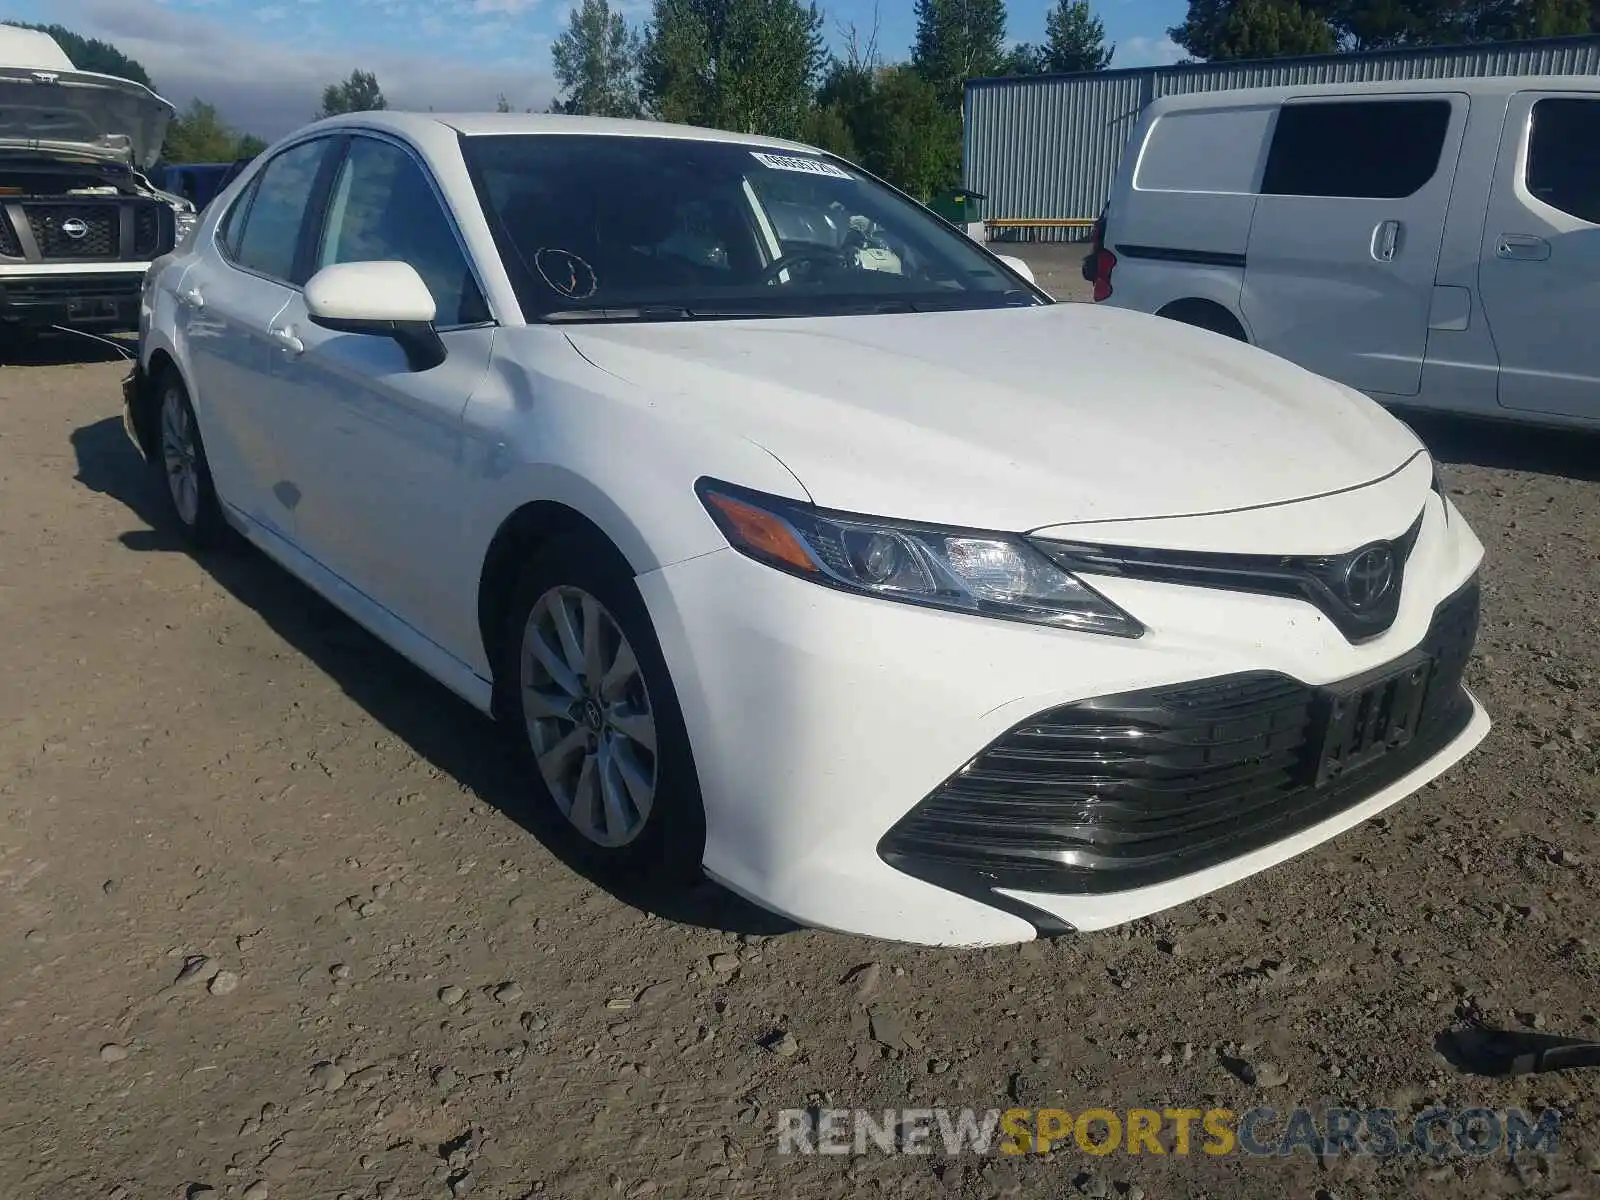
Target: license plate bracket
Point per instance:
(1371, 717)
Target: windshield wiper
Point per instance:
(645, 312)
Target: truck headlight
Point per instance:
(184, 221)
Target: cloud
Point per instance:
(1148, 52)
(271, 88)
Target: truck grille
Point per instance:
(1129, 790)
(63, 232)
(122, 230)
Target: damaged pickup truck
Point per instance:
(79, 221)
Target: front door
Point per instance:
(1344, 246)
(1539, 274)
(373, 449)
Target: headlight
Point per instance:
(184, 221)
(986, 574)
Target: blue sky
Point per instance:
(263, 64)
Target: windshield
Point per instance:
(605, 227)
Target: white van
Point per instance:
(1432, 243)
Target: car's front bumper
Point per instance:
(819, 720)
(136, 409)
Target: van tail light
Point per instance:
(1097, 267)
(1105, 263)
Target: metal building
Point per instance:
(1048, 146)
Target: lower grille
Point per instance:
(9, 246)
(1134, 789)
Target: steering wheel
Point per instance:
(781, 264)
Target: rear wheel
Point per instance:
(1203, 314)
(595, 711)
(184, 468)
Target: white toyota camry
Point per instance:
(801, 540)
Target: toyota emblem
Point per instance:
(1368, 578)
(75, 228)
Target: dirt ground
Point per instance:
(275, 922)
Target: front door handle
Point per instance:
(1523, 246)
(284, 335)
(1385, 240)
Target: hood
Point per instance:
(1014, 419)
(77, 113)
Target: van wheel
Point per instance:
(1204, 314)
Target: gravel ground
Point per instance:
(275, 924)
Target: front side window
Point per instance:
(659, 228)
(1564, 156)
(271, 232)
(383, 209)
(1367, 149)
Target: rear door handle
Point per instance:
(1524, 246)
(284, 335)
(190, 297)
(1385, 240)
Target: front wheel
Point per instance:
(596, 714)
(183, 466)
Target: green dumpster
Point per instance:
(957, 205)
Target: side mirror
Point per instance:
(383, 299)
(1017, 265)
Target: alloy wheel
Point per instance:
(589, 717)
(181, 456)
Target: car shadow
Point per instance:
(57, 348)
(1572, 453)
(434, 722)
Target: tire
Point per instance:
(609, 762)
(181, 461)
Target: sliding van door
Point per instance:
(1345, 241)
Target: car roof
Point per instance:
(1477, 85)
(421, 125)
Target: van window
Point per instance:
(1205, 150)
(1564, 156)
(1375, 149)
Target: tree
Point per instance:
(1075, 39)
(359, 93)
(958, 40)
(911, 137)
(91, 54)
(199, 134)
(1229, 29)
(745, 65)
(596, 62)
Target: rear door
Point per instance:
(1344, 245)
(1539, 275)
(227, 302)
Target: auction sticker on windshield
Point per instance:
(805, 166)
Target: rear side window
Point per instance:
(233, 222)
(1373, 149)
(1205, 150)
(1564, 156)
(271, 232)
